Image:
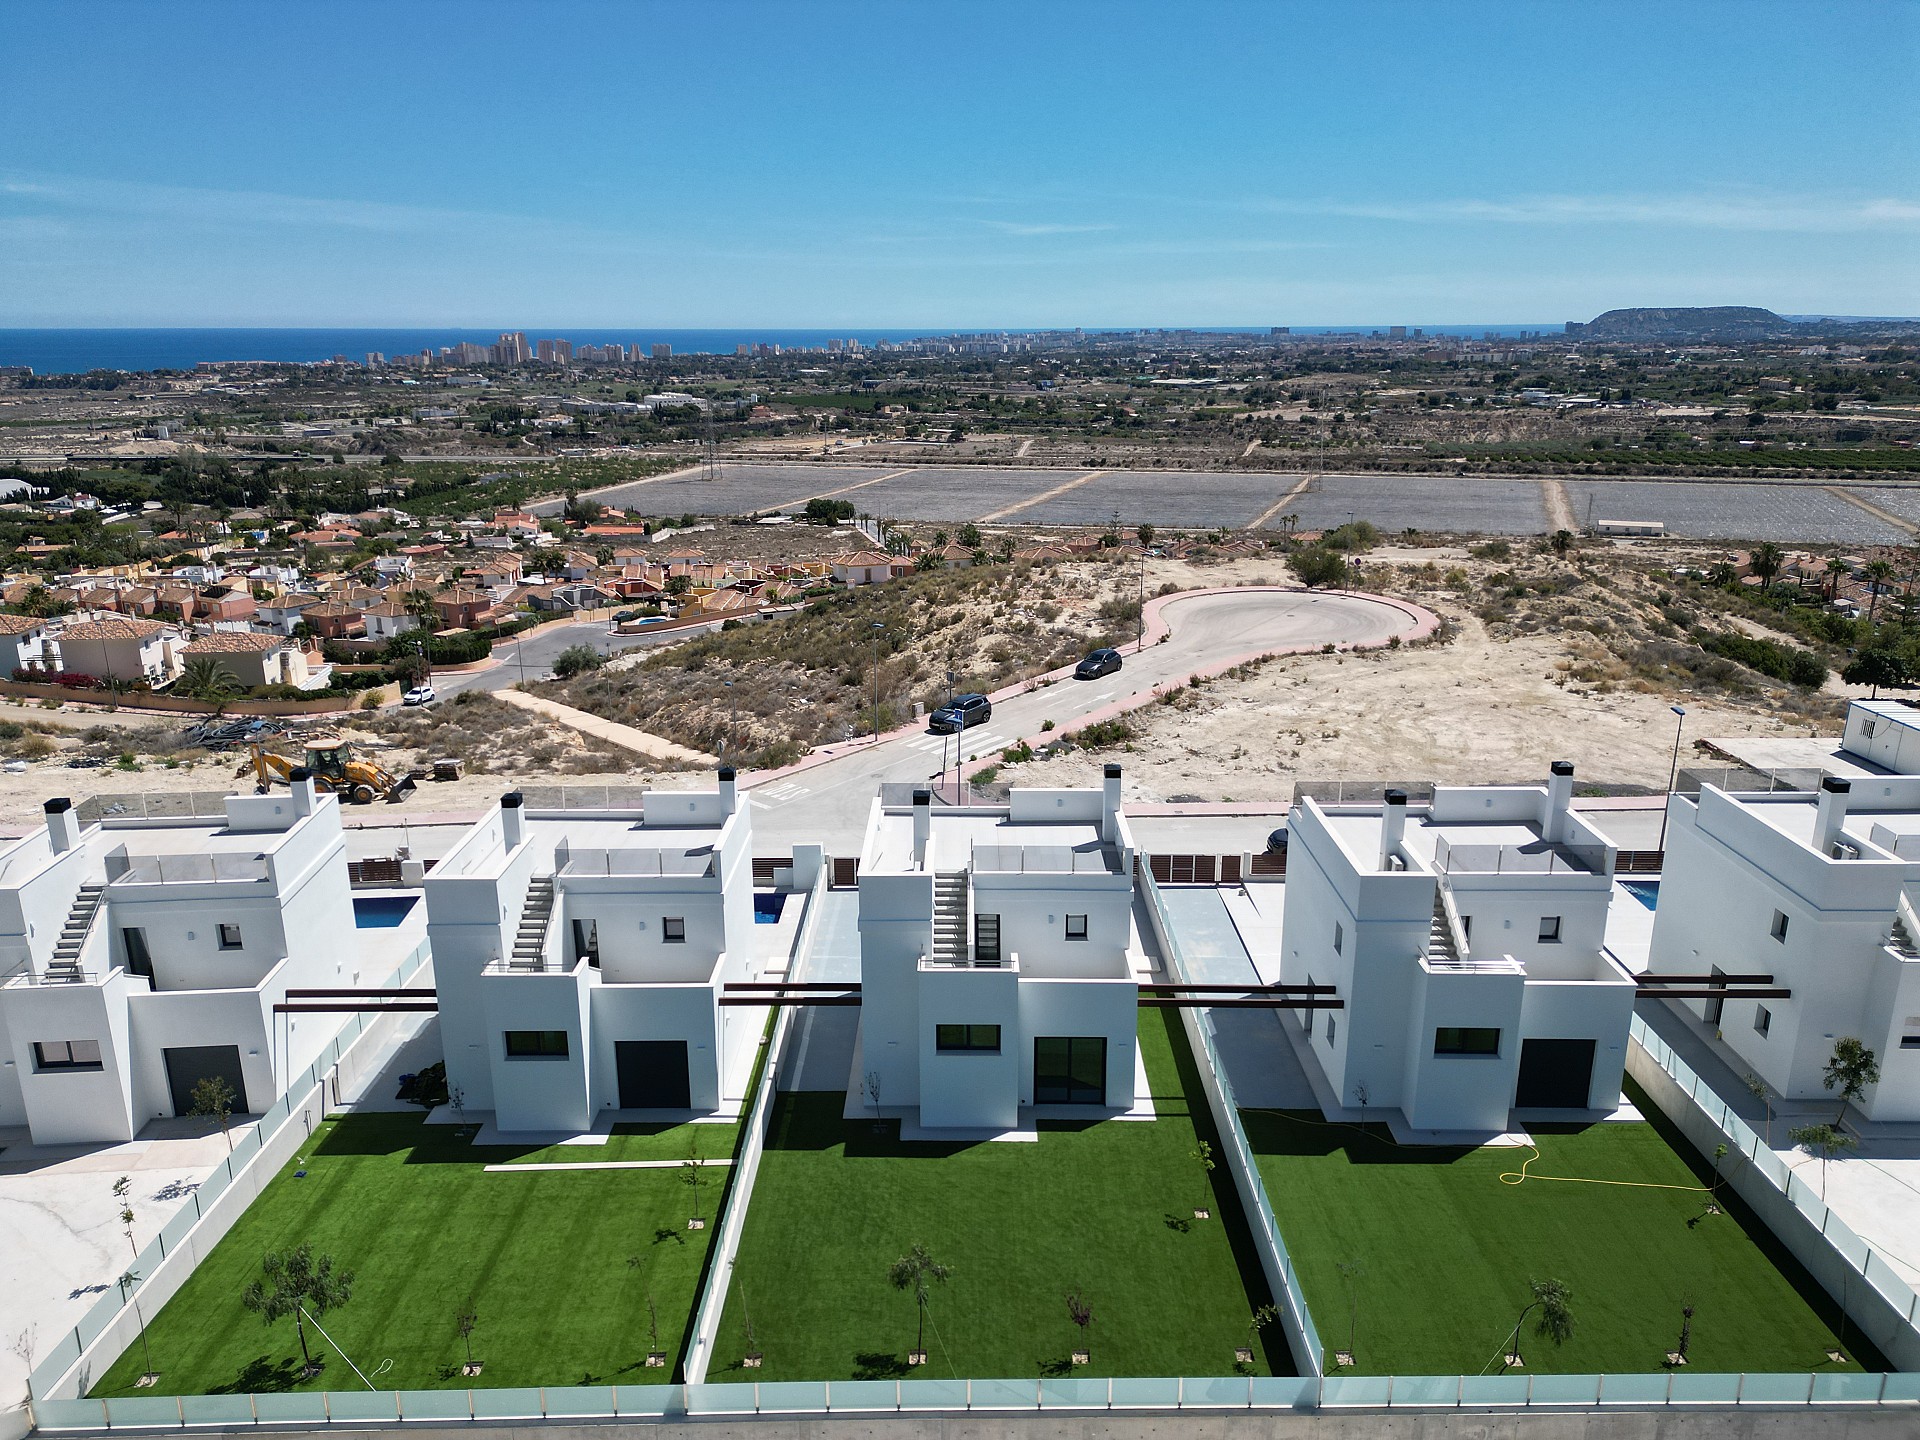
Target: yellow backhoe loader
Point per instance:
(335, 767)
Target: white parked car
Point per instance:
(419, 695)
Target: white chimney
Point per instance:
(729, 793)
(1831, 813)
(305, 798)
(63, 826)
(1110, 805)
(922, 824)
(1553, 825)
(513, 820)
(1393, 825)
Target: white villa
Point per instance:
(998, 969)
(1466, 939)
(580, 957)
(1817, 891)
(138, 957)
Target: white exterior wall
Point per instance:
(1084, 1007)
(474, 898)
(971, 1089)
(1726, 873)
(896, 932)
(70, 1107)
(538, 1092)
(1895, 741)
(657, 1012)
(1602, 1013)
(1462, 1092)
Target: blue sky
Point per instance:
(1040, 163)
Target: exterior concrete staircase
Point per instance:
(65, 964)
(1442, 948)
(536, 915)
(950, 918)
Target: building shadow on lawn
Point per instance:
(878, 1365)
(812, 1120)
(1306, 1133)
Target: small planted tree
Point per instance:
(1554, 1300)
(122, 1191)
(1256, 1322)
(1760, 1091)
(1850, 1070)
(212, 1099)
(870, 1082)
(656, 1357)
(916, 1271)
(130, 1296)
(753, 1358)
(466, 1322)
(1823, 1141)
(299, 1284)
(690, 1172)
(1202, 1154)
(1081, 1314)
(1350, 1273)
(1678, 1355)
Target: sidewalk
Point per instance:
(625, 736)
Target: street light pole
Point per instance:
(877, 628)
(733, 725)
(1140, 621)
(1673, 770)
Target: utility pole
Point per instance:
(1673, 771)
(877, 628)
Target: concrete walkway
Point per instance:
(614, 733)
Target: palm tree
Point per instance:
(1554, 1300)
(1878, 573)
(912, 1271)
(1765, 562)
(204, 678)
(1836, 567)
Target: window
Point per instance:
(230, 937)
(1910, 1040)
(66, 1055)
(1076, 927)
(1465, 1040)
(586, 942)
(536, 1044)
(1466, 928)
(986, 939)
(673, 930)
(967, 1039)
(1330, 1029)
(1549, 929)
(1339, 936)
(1779, 930)
(1762, 1020)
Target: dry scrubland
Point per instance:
(1544, 658)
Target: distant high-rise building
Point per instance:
(663, 352)
(511, 349)
(743, 349)
(1276, 330)
(1397, 332)
(554, 352)
(375, 359)
(834, 347)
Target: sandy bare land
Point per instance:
(1476, 711)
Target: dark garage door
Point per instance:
(188, 1065)
(1070, 1070)
(1554, 1075)
(653, 1074)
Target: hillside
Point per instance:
(1687, 322)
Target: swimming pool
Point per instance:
(767, 905)
(380, 912)
(1647, 892)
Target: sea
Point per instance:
(67, 352)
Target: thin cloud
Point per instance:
(1015, 227)
(1711, 212)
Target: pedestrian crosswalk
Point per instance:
(973, 742)
(768, 796)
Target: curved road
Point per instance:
(828, 802)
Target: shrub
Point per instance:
(1783, 662)
(370, 701)
(1316, 565)
(1100, 734)
(577, 660)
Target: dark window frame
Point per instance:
(222, 931)
(966, 1039)
(44, 1065)
(673, 930)
(1461, 1047)
(1762, 1021)
(1549, 930)
(1082, 919)
(541, 1047)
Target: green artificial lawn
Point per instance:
(1448, 1251)
(1106, 1207)
(410, 1209)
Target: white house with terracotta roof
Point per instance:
(252, 659)
(121, 648)
(389, 619)
(862, 567)
(23, 644)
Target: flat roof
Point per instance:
(956, 831)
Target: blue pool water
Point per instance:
(767, 905)
(1647, 892)
(380, 912)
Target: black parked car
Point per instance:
(1277, 842)
(1100, 662)
(960, 713)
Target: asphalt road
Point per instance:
(828, 803)
(532, 657)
